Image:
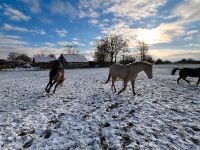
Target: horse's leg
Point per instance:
(55, 87)
(47, 85)
(179, 79)
(198, 81)
(51, 84)
(184, 78)
(60, 82)
(133, 87)
(125, 85)
(113, 83)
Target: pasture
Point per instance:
(85, 114)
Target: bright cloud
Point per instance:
(90, 13)
(93, 21)
(60, 7)
(135, 9)
(9, 27)
(15, 14)
(11, 40)
(14, 28)
(61, 32)
(49, 44)
(188, 11)
(73, 43)
(173, 55)
(164, 33)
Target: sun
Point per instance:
(149, 36)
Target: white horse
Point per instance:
(128, 73)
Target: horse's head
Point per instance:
(148, 69)
(58, 64)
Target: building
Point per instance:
(74, 61)
(6, 64)
(43, 61)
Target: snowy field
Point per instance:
(85, 115)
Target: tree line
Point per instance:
(19, 58)
(108, 50)
(110, 47)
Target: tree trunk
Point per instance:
(115, 58)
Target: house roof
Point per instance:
(74, 58)
(43, 59)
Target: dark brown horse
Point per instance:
(187, 72)
(56, 76)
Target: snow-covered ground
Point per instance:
(84, 114)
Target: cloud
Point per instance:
(174, 55)
(61, 33)
(11, 40)
(127, 9)
(190, 35)
(9, 27)
(90, 4)
(10, 43)
(90, 13)
(15, 15)
(38, 31)
(60, 7)
(75, 39)
(49, 44)
(45, 20)
(187, 12)
(34, 5)
(73, 43)
(14, 28)
(164, 33)
(192, 32)
(134, 9)
(93, 21)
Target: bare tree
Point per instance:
(12, 56)
(118, 44)
(149, 58)
(23, 58)
(111, 46)
(71, 49)
(101, 53)
(127, 59)
(143, 49)
(51, 55)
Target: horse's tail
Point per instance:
(174, 70)
(108, 79)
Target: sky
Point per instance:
(171, 28)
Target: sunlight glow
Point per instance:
(148, 36)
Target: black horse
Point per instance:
(187, 72)
(56, 75)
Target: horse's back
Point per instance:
(191, 72)
(119, 70)
(54, 71)
(116, 68)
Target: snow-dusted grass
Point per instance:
(85, 114)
